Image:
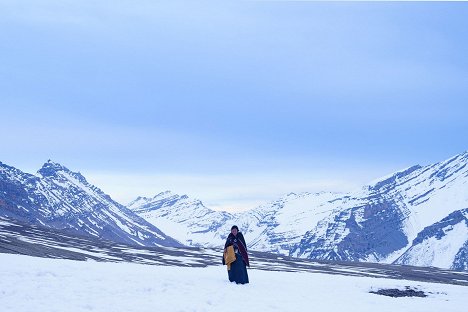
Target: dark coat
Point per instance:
(239, 243)
(238, 270)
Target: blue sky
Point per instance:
(233, 103)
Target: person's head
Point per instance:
(234, 230)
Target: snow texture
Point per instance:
(48, 285)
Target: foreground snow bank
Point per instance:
(36, 284)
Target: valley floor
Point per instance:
(37, 284)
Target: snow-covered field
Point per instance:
(36, 284)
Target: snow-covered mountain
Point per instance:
(390, 220)
(188, 220)
(270, 227)
(61, 199)
(383, 220)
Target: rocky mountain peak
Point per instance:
(50, 168)
(53, 169)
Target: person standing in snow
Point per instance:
(237, 270)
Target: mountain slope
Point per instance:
(61, 199)
(442, 244)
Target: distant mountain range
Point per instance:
(61, 199)
(416, 216)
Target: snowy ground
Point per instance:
(36, 284)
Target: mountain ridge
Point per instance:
(405, 218)
(378, 222)
(62, 199)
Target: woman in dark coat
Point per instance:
(238, 271)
